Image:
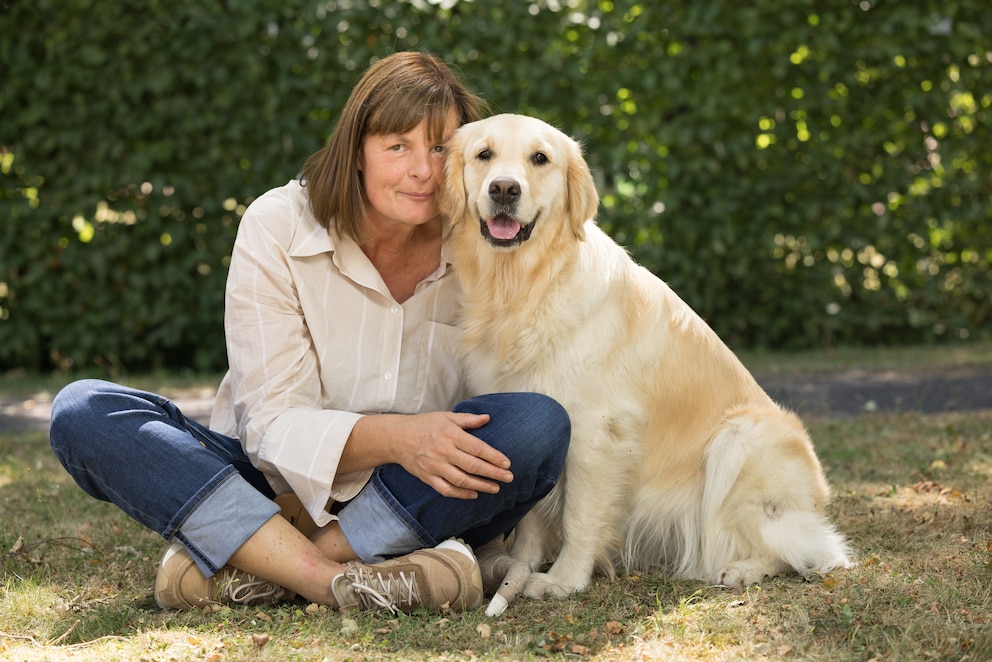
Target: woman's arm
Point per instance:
(274, 374)
(434, 447)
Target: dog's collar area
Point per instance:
(522, 235)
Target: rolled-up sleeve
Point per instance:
(275, 380)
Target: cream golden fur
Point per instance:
(678, 458)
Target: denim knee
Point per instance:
(70, 412)
(531, 429)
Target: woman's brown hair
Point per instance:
(393, 96)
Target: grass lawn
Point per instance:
(912, 492)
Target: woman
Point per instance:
(341, 391)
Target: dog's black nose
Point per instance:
(504, 191)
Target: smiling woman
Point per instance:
(344, 405)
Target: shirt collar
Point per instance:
(313, 239)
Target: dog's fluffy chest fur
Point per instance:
(546, 327)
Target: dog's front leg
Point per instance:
(532, 535)
(592, 516)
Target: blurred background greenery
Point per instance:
(804, 173)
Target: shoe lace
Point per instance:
(243, 588)
(388, 591)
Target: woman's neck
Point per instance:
(404, 259)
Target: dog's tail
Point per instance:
(765, 496)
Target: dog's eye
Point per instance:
(484, 155)
(539, 158)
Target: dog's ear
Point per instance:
(582, 201)
(453, 200)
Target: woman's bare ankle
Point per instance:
(331, 542)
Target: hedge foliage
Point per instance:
(804, 173)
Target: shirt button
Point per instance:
(394, 309)
(388, 376)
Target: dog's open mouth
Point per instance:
(502, 230)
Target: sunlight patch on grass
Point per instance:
(31, 607)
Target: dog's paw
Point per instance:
(741, 574)
(544, 585)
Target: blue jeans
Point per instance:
(138, 451)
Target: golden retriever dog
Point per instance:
(678, 459)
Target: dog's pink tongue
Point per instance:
(503, 227)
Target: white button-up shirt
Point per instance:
(315, 340)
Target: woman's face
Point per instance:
(401, 175)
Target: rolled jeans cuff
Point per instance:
(377, 527)
(221, 523)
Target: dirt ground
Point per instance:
(843, 393)
(853, 392)
(20, 414)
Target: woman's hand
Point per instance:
(434, 447)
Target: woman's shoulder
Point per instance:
(283, 213)
(290, 199)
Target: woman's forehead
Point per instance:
(440, 121)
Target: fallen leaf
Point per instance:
(260, 639)
(554, 641)
(484, 631)
(613, 628)
(579, 649)
(830, 582)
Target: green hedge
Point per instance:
(804, 173)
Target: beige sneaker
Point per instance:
(179, 584)
(445, 577)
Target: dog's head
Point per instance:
(515, 178)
